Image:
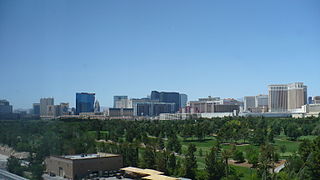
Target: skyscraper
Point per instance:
(5, 107)
(121, 102)
(297, 96)
(287, 97)
(85, 102)
(36, 109)
(97, 106)
(167, 97)
(64, 108)
(249, 102)
(183, 100)
(44, 103)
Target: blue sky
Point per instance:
(226, 48)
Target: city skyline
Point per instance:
(129, 97)
(217, 48)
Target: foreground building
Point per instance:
(81, 166)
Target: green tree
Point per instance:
(174, 144)
(148, 158)
(252, 156)
(305, 149)
(215, 166)
(172, 164)
(238, 156)
(162, 161)
(226, 154)
(293, 131)
(190, 165)
(283, 148)
(14, 166)
(267, 159)
(160, 144)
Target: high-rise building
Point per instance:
(44, 103)
(249, 102)
(287, 97)
(297, 96)
(5, 107)
(167, 97)
(183, 100)
(256, 104)
(85, 102)
(310, 100)
(36, 109)
(153, 108)
(121, 102)
(53, 110)
(278, 98)
(262, 101)
(64, 109)
(97, 106)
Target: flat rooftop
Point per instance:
(141, 171)
(89, 156)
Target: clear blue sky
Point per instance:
(226, 48)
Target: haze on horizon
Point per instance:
(218, 48)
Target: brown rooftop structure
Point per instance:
(82, 165)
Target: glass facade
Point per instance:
(85, 102)
(167, 97)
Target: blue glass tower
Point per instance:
(85, 102)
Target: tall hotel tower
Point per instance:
(287, 97)
(297, 96)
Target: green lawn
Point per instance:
(291, 147)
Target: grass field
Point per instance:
(205, 146)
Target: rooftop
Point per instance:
(141, 171)
(159, 177)
(89, 156)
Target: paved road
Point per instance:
(9, 176)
